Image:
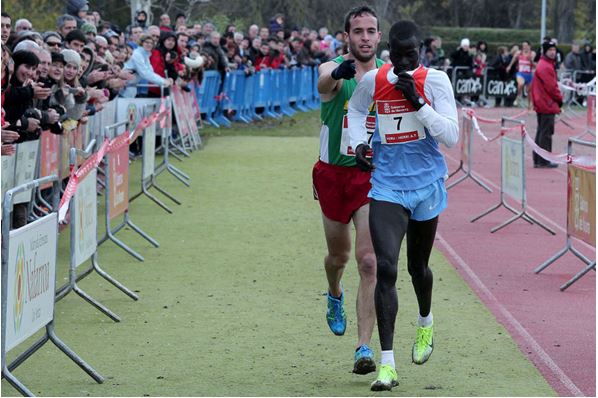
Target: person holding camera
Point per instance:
(166, 60)
(20, 114)
(72, 64)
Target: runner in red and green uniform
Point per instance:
(342, 188)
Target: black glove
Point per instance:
(346, 70)
(362, 161)
(406, 84)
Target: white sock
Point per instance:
(425, 321)
(388, 358)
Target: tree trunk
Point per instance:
(565, 20)
(455, 12)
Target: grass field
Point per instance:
(232, 303)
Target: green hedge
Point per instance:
(490, 35)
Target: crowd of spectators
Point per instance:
(58, 77)
(474, 59)
(55, 78)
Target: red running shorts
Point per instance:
(340, 190)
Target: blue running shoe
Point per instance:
(364, 360)
(337, 321)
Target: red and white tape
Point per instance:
(581, 161)
(77, 175)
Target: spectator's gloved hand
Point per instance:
(346, 70)
(560, 104)
(362, 161)
(406, 84)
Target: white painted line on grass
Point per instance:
(566, 381)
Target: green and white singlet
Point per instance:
(334, 137)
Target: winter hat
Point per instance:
(547, 45)
(465, 42)
(26, 45)
(89, 28)
(71, 57)
(24, 57)
(101, 40)
(49, 34)
(74, 6)
(58, 57)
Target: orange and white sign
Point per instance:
(119, 174)
(581, 204)
(49, 156)
(592, 112)
(466, 131)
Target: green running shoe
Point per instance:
(424, 345)
(387, 379)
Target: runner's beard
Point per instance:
(355, 51)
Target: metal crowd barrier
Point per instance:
(29, 260)
(512, 177)
(117, 189)
(277, 91)
(581, 213)
(466, 156)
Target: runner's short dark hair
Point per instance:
(357, 12)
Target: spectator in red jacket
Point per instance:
(547, 100)
(271, 56)
(166, 59)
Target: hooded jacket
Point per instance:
(73, 7)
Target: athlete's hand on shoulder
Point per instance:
(362, 161)
(346, 70)
(406, 84)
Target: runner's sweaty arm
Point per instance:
(440, 119)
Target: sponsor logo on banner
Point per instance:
(500, 88)
(31, 274)
(131, 116)
(19, 287)
(469, 86)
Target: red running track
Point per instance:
(555, 330)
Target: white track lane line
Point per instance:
(530, 208)
(536, 348)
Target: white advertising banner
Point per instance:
(149, 151)
(31, 277)
(84, 219)
(512, 167)
(25, 172)
(131, 110)
(8, 173)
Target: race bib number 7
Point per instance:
(397, 122)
